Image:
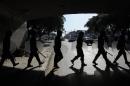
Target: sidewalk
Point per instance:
(20, 75)
(45, 50)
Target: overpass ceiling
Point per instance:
(32, 9)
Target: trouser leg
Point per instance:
(97, 56)
(37, 58)
(30, 59)
(125, 57)
(12, 59)
(118, 56)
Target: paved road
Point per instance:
(44, 48)
(20, 75)
(69, 51)
(90, 75)
(64, 76)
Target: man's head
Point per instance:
(59, 33)
(81, 34)
(32, 33)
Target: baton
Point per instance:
(41, 54)
(109, 53)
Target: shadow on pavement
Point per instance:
(14, 76)
(105, 77)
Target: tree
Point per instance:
(115, 22)
(49, 24)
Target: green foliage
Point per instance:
(49, 24)
(115, 22)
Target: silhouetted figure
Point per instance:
(101, 50)
(33, 48)
(57, 50)
(121, 47)
(6, 49)
(79, 49)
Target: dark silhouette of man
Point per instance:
(6, 49)
(33, 48)
(101, 50)
(121, 47)
(57, 50)
(79, 49)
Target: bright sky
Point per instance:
(76, 21)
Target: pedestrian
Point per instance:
(57, 49)
(101, 50)
(79, 49)
(6, 49)
(121, 47)
(33, 48)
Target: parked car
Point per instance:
(89, 41)
(72, 39)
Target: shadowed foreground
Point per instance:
(21, 77)
(100, 78)
(13, 76)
